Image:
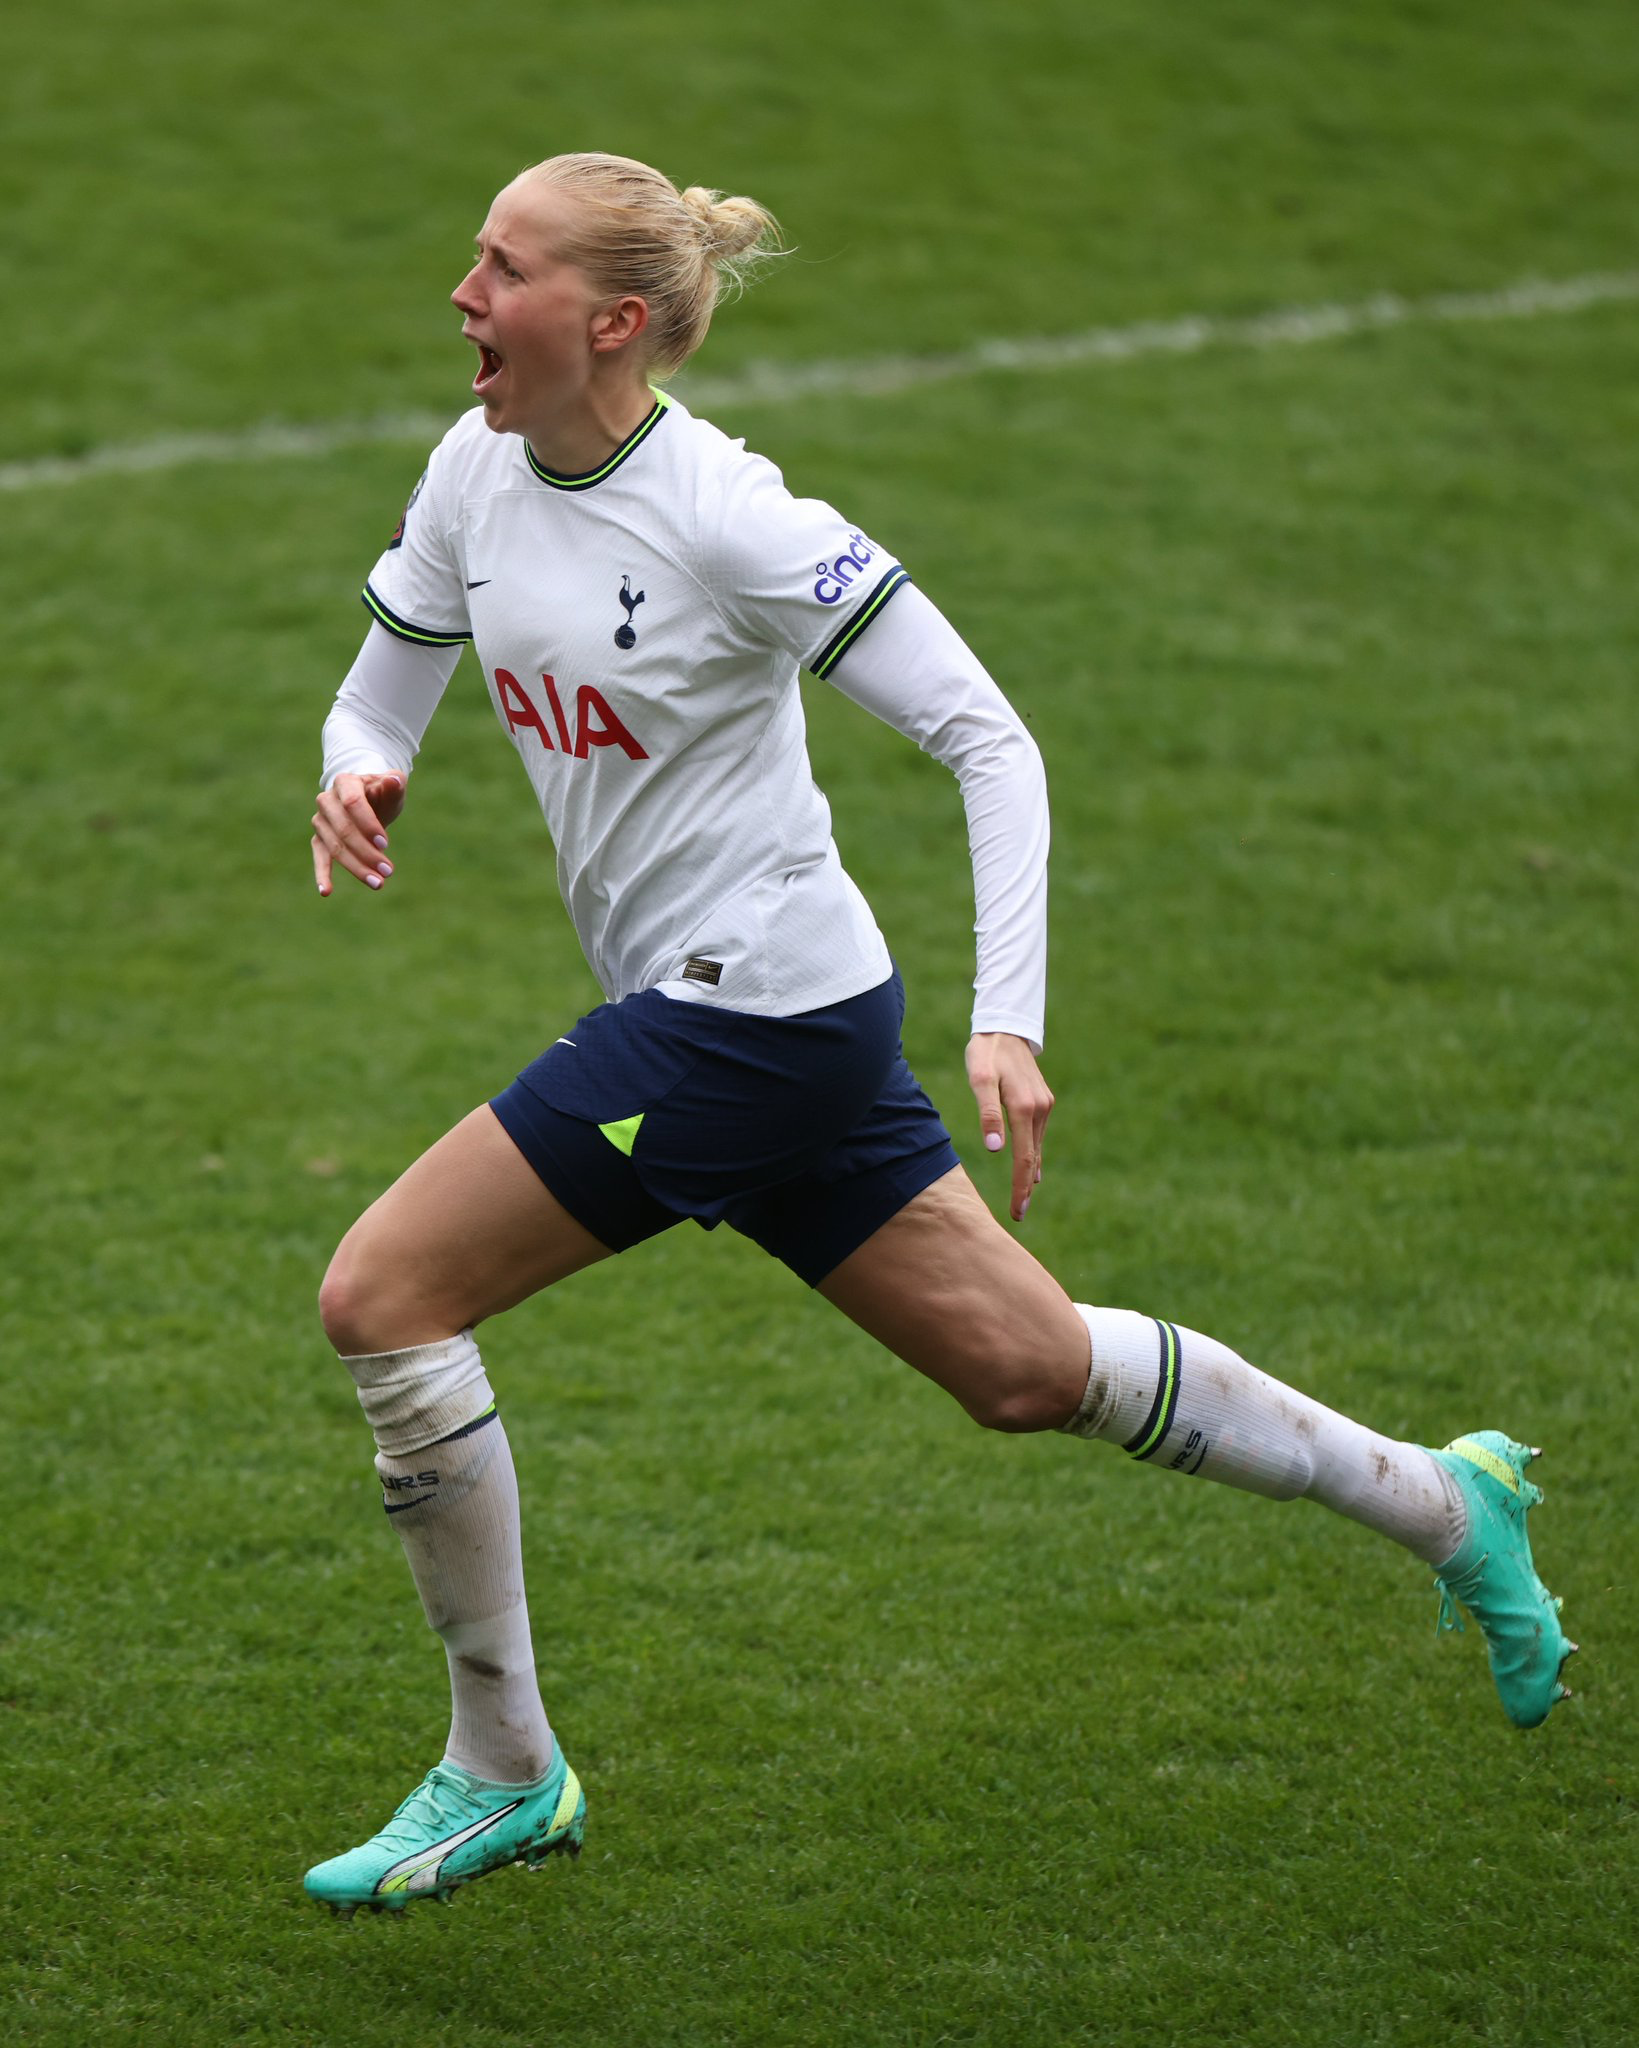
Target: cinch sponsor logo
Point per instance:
(595, 722)
(835, 577)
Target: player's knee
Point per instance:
(354, 1306)
(1019, 1406)
(338, 1309)
(1008, 1384)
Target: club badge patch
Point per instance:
(626, 632)
(398, 531)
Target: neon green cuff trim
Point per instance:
(623, 1135)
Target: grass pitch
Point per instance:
(892, 1732)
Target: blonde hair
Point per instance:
(631, 230)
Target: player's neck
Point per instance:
(584, 434)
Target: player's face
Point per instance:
(530, 316)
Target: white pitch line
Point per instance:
(781, 383)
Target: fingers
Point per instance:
(1029, 1138)
(1026, 1162)
(348, 833)
(1013, 1098)
(1044, 1110)
(386, 794)
(992, 1123)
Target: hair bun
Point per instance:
(630, 230)
(727, 227)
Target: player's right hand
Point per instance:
(349, 828)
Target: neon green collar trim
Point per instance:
(639, 434)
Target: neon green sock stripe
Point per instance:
(1159, 1420)
(469, 1428)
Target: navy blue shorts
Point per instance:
(805, 1133)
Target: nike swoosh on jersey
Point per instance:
(481, 582)
(418, 1872)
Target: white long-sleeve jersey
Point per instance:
(640, 631)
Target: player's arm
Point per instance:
(914, 671)
(793, 572)
(371, 737)
(416, 594)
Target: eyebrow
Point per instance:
(495, 248)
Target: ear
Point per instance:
(615, 326)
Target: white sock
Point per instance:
(1177, 1399)
(455, 1507)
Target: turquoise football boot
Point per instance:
(1491, 1573)
(452, 1828)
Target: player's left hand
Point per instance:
(1013, 1101)
(349, 828)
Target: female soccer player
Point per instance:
(641, 592)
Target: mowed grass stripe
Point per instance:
(878, 376)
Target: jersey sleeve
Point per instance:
(384, 706)
(417, 590)
(919, 676)
(793, 573)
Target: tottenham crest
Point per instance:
(626, 632)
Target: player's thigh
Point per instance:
(951, 1292)
(467, 1231)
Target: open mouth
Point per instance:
(489, 367)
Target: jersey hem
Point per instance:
(838, 645)
(840, 990)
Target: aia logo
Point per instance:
(596, 724)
